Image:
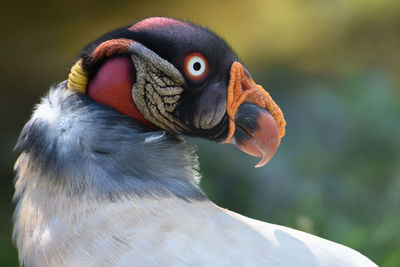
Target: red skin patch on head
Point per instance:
(156, 22)
(112, 86)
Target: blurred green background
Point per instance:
(332, 66)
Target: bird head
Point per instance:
(178, 77)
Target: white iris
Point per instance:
(196, 66)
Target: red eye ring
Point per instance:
(196, 66)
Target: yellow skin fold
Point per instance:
(78, 78)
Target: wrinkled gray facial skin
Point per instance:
(80, 146)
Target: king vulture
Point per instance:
(104, 179)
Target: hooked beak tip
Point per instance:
(259, 138)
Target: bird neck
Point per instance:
(79, 146)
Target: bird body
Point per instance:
(99, 184)
(173, 232)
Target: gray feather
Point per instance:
(82, 146)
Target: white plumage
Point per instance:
(166, 232)
(59, 227)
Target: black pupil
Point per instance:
(197, 66)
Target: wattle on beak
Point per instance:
(256, 123)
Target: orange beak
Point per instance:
(256, 123)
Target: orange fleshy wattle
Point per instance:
(242, 88)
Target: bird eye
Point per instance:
(196, 66)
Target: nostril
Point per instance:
(247, 83)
